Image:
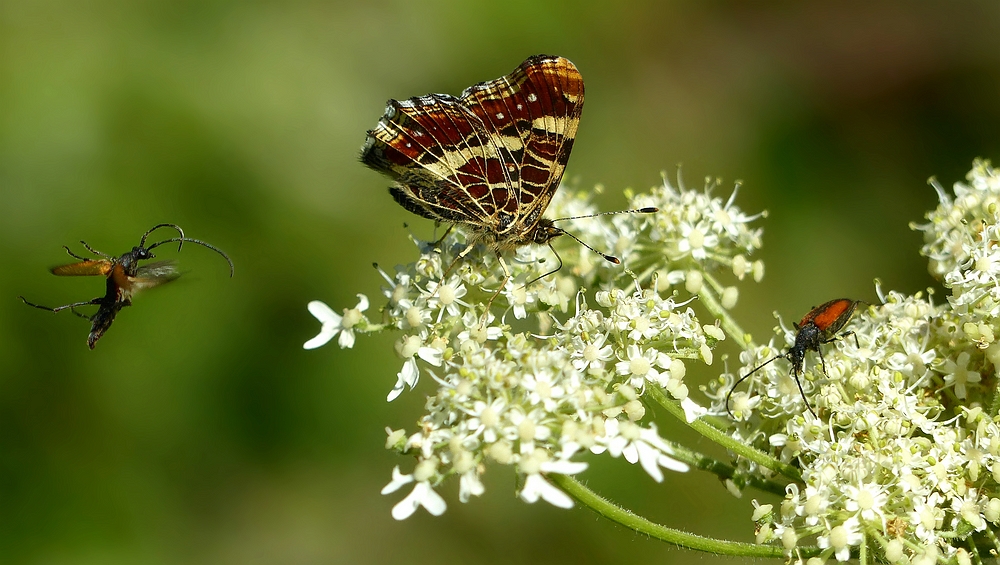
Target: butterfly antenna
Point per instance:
(647, 210)
(611, 258)
(744, 377)
(232, 269)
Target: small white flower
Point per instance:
(447, 297)
(421, 495)
(692, 410)
(867, 499)
(519, 296)
(642, 445)
(841, 538)
(593, 354)
(641, 365)
(470, 485)
(957, 374)
(536, 487)
(410, 348)
(333, 323)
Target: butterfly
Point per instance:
(125, 276)
(489, 160)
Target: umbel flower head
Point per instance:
(902, 464)
(558, 367)
(905, 464)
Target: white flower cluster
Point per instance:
(537, 373)
(905, 462)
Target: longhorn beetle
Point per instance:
(124, 277)
(819, 326)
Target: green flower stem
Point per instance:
(974, 552)
(723, 439)
(993, 538)
(995, 404)
(722, 470)
(615, 513)
(863, 550)
(370, 328)
(712, 304)
(873, 533)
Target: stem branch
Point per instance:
(615, 513)
(723, 439)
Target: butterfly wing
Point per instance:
(438, 152)
(491, 158)
(536, 111)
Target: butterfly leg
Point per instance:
(437, 243)
(553, 271)
(503, 283)
(61, 308)
(444, 276)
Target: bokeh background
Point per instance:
(199, 431)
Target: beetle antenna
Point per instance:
(752, 371)
(232, 269)
(142, 242)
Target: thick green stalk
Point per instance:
(615, 513)
(722, 470)
(723, 439)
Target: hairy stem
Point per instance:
(719, 437)
(615, 513)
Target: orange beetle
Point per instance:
(124, 278)
(819, 326)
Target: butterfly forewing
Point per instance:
(534, 113)
(491, 159)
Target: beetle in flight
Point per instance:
(124, 277)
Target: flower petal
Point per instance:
(431, 500)
(324, 313)
(398, 480)
(536, 487)
(325, 335)
(346, 340)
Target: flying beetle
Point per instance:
(125, 276)
(821, 325)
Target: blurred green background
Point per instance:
(199, 431)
